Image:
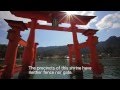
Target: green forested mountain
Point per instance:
(3, 49)
(111, 46)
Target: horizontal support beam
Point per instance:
(45, 27)
(82, 45)
(22, 42)
(16, 70)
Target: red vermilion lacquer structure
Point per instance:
(11, 53)
(54, 17)
(91, 43)
(35, 52)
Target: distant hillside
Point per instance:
(113, 41)
(110, 46)
(3, 49)
(53, 50)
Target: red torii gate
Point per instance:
(91, 43)
(14, 39)
(11, 53)
(59, 17)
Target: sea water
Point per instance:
(111, 69)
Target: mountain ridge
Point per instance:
(109, 46)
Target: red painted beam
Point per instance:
(77, 19)
(1, 71)
(70, 29)
(90, 32)
(23, 43)
(18, 24)
(40, 15)
(45, 27)
(16, 69)
(82, 45)
(49, 15)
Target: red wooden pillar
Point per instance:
(28, 54)
(35, 52)
(96, 68)
(10, 58)
(11, 53)
(95, 64)
(70, 55)
(78, 56)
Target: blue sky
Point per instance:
(107, 22)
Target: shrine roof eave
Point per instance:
(18, 24)
(48, 15)
(89, 32)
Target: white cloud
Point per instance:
(82, 26)
(8, 15)
(116, 25)
(87, 13)
(110, 21)
(42, 22)
(93, 21)
(65, 25)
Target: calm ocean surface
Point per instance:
(111, 69)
